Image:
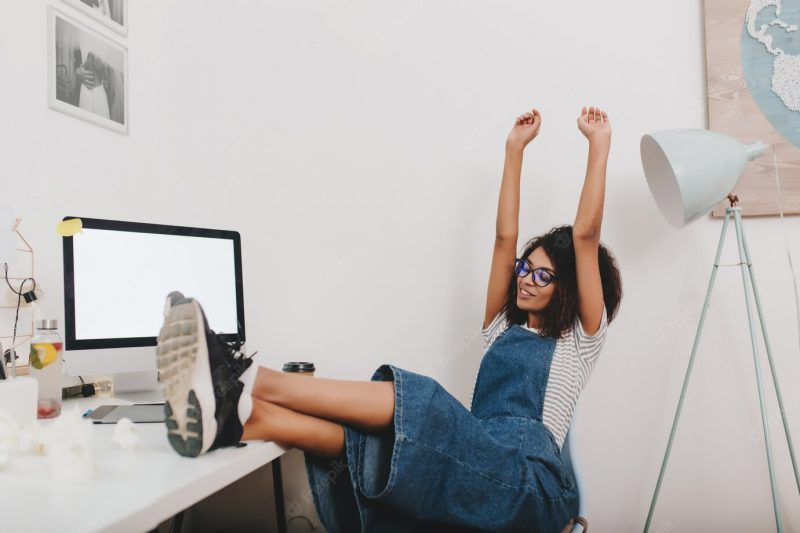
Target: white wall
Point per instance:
(358, 148)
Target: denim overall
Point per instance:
(444, 468)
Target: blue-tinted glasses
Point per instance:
(541, 277)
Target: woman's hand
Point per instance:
(594, 124)
(85, 76)
(525, 129)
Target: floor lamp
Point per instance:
(690, 172)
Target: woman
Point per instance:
(398, 453)
(93, 76)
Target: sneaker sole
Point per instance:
(182, 358)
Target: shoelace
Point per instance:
(234, 357)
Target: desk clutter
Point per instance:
(64, 443)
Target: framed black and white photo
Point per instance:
(112, 13)
(87, 73)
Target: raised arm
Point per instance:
(525, 129)
(594, 125)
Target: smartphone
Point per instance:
(139, 413)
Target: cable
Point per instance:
(310, 523)
(18, 293)
(786, 243)
(13, 354)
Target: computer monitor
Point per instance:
(117, 276)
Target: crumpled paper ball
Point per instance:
(18, 439)
(127, 435)
(31, 439)
(68, 447)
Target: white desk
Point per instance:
(130, 491)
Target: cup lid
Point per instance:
(298, 366)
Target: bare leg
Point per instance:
(367, 405)
(289, 428)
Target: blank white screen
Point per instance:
(122, 279)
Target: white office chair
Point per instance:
(572, 466)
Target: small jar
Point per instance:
(46, 366)
(302, 368)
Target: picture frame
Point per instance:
(742, 104)
(87, 73)
(111, 13)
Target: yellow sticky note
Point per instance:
(68, 228)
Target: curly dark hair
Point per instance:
(562, 311)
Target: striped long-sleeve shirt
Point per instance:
(574, 359)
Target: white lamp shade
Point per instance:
(690, 171)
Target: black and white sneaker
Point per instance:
(200, 374)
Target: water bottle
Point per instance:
(46, 366)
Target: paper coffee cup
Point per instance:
(303, 368)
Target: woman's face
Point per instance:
(537, 298)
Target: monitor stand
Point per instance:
(138, 387)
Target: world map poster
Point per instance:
(753, 75)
